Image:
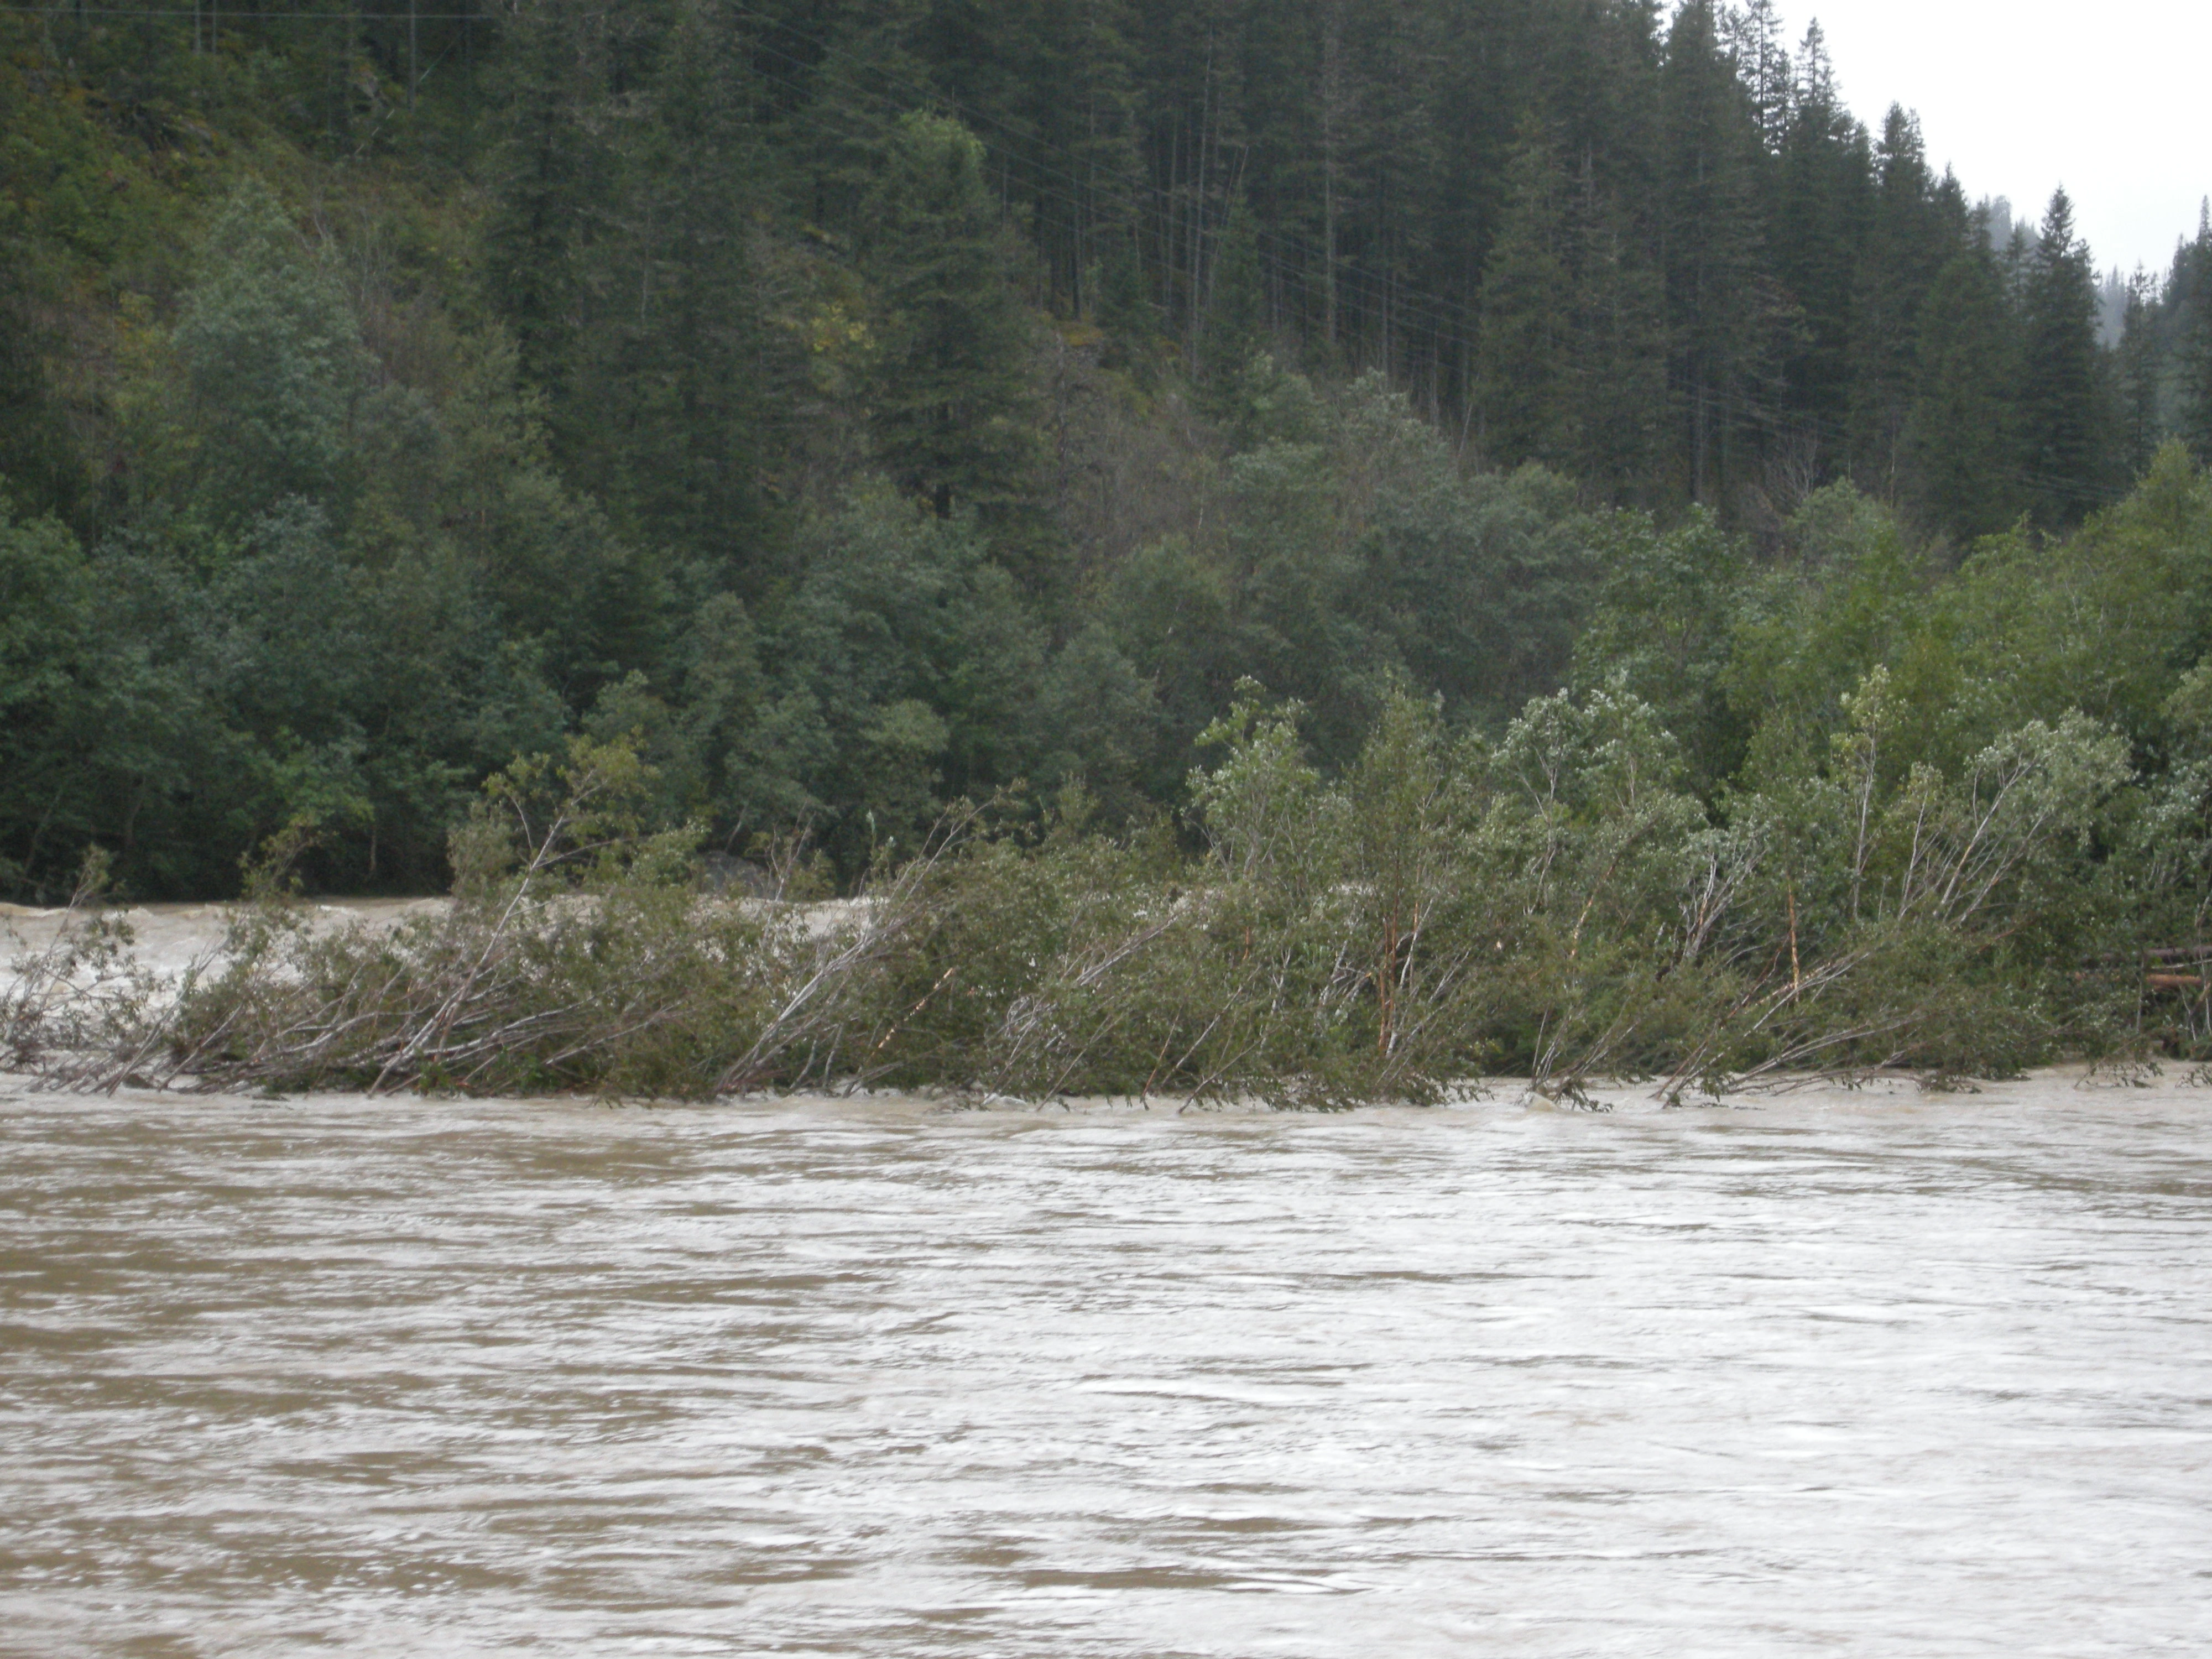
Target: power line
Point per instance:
(243, 15)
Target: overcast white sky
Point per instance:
(2020, 96)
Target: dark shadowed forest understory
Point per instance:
(1300, 550)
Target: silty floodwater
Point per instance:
(1869, 1374)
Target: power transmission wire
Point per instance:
(243, 13)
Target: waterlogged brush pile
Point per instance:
(1554, 905)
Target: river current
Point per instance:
(1869, 1374)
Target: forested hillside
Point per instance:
(865, 405)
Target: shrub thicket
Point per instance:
(1555, 906)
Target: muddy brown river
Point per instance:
(1875, 1375)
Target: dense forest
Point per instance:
(859, 407)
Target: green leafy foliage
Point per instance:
(273, 372)
(1681, 541)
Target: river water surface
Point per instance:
(1843, 1373)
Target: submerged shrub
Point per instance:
(1555, 906)
(578, 953)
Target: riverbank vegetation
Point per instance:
(1305, 550)
(1557, 904)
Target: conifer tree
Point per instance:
(1395, 54)
(1123, 305)
(951, 399)
(1908, 242)
(1753, 32)
(555, 179)
(672, 381)
(2135, 374)
(1064, 80)
(2194, 355)
(1618, 333)
(845, 129)
(1961, 438)
(2058, 396)
(38, 471)
(1719, 299)
(1823, 195)
(1237, 315)
(1521, 387)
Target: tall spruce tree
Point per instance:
(557, 179)
(1397, 51)
(40, 472)
(951, 402)
(1617, 387)
(1122, 302)
(1753, 32)
(1822, 195)
(2194, 355)
(2137, 366)
(1527, 307)
(1961, 439)
(2061, 443)
(1719, 299)
(863, 63)
(674, 376)
(1237, 309)
(1910, 238)
(1061, 73)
